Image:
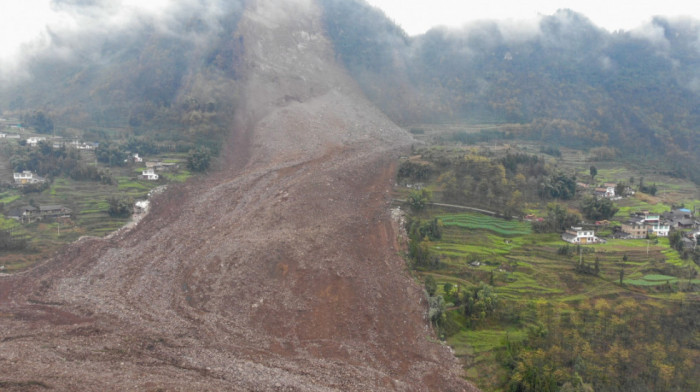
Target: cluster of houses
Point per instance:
(644, 224)
(33, 141)
(57, 142)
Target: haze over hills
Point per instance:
(563, 79)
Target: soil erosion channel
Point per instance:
(280, 272)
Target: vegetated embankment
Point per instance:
(279, 272)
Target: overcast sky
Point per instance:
(27, 20)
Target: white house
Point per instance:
(149, 174)
(606, 192)
(137, 158)
(576, 235)
(660, 229)
(34, 140)
(27, 177)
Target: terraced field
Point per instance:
(498, 226)
(526, 269)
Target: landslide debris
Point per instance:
(279, 272)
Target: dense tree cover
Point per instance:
(414, 171)
(111, 154)
(610, 345)
(199, 159)
(38, 120)
(430, 230)
(502, 184)
(419, 199)
(598, 208)
(120, 206)
(650, 189)
(558, 186)
(558, 219)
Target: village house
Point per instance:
(28, 214)
(634, 228)
(149, 174)
(34, 140)
(27, 177)
(605, 192)
(53, 211)
(681, 218)
(577, 235)
(660, 229)
(137, 158)
(22, 214)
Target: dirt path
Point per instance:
(280, 272)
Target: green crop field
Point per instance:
(485, 222)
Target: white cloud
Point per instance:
(417, 16)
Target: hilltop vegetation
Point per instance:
(564, 81)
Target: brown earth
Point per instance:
(279, 272)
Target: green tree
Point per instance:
(598, 209)
(558, 186)
(120, 206)
(620, 189)
(594, 171)
(448, 288)
(675, 240)
(436, 308)
(419, 199)
(199, 159)
(430, 285)
(40, 121)
(111, 154)
(558, 219)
